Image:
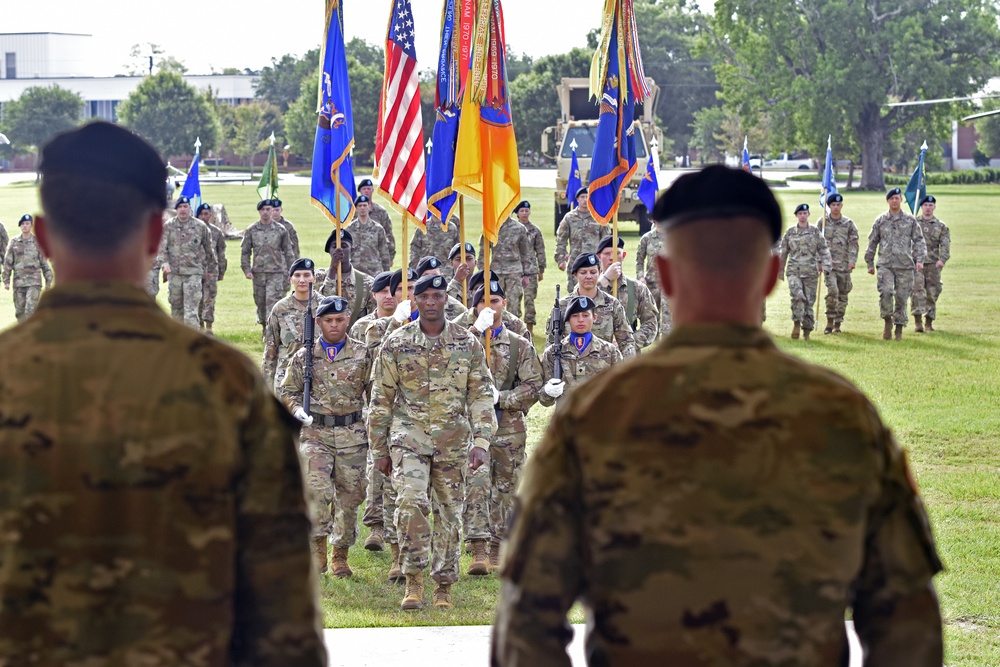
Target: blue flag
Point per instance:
(917, 187)
(829, 181)
(333, 189)
(650, 185)
(441, 198)
(573, 183)
(746, 157)
(192, 184)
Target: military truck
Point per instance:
(578, 122)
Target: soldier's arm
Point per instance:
(853, 239)
(8, 267)
(287, 249)
(163, 253)
(825, 260)
(562, 240)
(783, 251)
(479, 399)
(385, 383)
(528, 381)
(623, 332)
(873, 239)
(640, 258)
(292, 387)
(46, 268)
(539, 242)
(919, 244)
(220, 255)
(246, 247)
(211, 262)
(384, 254)
(648, 315)
(272, 340)
(944, 250)
(525, 252)
(416, 247)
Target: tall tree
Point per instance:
(253, 125)
(988, 129)
(39, 113)
(823, 67)
(300, 119)
(171, 114)
(280, 82)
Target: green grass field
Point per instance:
(940, 393)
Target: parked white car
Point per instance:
(791, 161)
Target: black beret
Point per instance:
(927, 199)
(477, 279)
(276, 202)
(429, 282)
(835, 198)
(107, 152)
(427, 264)
(382, 280)
(523, 204)
(606, 243)
(457, 248)
(262, 203)
(586, 259)
(332, 305)
(345, 237)
(362, 199)
(481, 293)
(801, 207)
(366, 183)
(893, 192)
(25, 218)
(302, 264)
(397, 278)
(182, 200)
(581, 191)
(203, 207)
(578, 304)
(715, 192)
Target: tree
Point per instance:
(171, 114)
(823, 67)
(534, 101)
(988, 129)
(300, 119)
(253, 125)
(366, 67)
(706, 135)
(39, 113)
(280, 82)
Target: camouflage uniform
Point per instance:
(803, 251)
(381, 216)
(651, 245)
(728, 516)
(357, 290)
(369, 250)
(293, 239)
(435, 243)
(283, 337)
(490, 488)
(4, 241)
(610, 323)
(640, 311)
(153, 510)
(927, 283)
(430, 397)
(577, 367)
(153, 275)
(272, 255)
(334, 455)
(210, 289)
(188, 249)
(510, 322)
(841, 236)
(455, 290)
(531, 291)
(24, 259)
(900, 245)
(512, 259)
(578, 229)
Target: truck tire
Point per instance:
(644, 223)
(561, 212)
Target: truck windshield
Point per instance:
(585, 136)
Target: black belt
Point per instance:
(336, 420)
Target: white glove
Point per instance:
(402, 312)
(612, 273)
(485, 320)
(554, 388)
(496, 395)
(304, 417)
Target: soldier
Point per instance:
(640, 311)
(651, 245)
(927, 283)
(4, 240)
(385, 305)
(26, 262)
(210, 289)
(334, 439)
(512, 323)
(431, 395)
(154, 508)
(578, 229)
(187, 257)
(901, 249)
(277, 215)
(357, 285)
(537, 242)
(517, 379)
(513, 259)
(804, 257)
(371, 250)
(283, 335)
(432, 266)
(841, 236)
(436, 242)
(271, 249)
(461, 272)
(733, 508)
(379, 215)
(609, 315)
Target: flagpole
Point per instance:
(487, 260)
(461, 242)
(614, 244)
(819, 286)
(406, 259)
(336, 205)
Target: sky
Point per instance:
(209, 35)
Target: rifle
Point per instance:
(308, 333)
(557, 333)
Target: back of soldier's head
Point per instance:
(100, 183)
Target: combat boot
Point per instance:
(442, 596)
(376, 539)
(413, 598)
(836, 327)
(918, 325)
(805, 334)
(480, 561)
(494, 555)
(899, 332)
(795, 331)
(829, 326)
(395, 573)
(928, 327)
(318, 548)
(338, 563)
(887, 333)
(208, 329)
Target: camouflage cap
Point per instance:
(457, 248)
(427, 264)
(578, 304)
(383, 280)
(302, 264)
(480, 294)
(892, 193)
(397, 278)
(203, 207)
(332, 305)
(835, 198)
(584, 260)
(331, 242)
(429, 282)
(801, 207)
(607, 241)
(476, 279)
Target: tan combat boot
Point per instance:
(836, 327)
(919, 326)
(829, 326)
(805, 334)
(494, 555)
(899, 332)
(928, 327)
(442, 596)
(318, 548)
(795, 331)
(338, 563)
(480, 561)
(413, 598)
(887, 333)
(376, 539)
(395, 573)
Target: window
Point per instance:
(11, 65)
(585, 136)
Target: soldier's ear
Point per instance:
(773, 271)
(154, 232)
(663, 269)
(42, 235)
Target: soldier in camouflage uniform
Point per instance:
(277, 215)
(651, 245)
(640, 311)
(739, 503)
(371, 250)
(927, 283)
(431, 396)
(271, 251)
(4, 240)
(466, 319)
(334, 439)
(610, 322)
(26, 263)
(897, 237)
(357, 285)
(379, 215)
(435, 243)
(537, 242)
(153, 508)
(432, 266)
(517, 379)
(461, 272)
(804, 257)
(210, 289)
(283, 334)
(841, 236)
(512, 259)
(581, 232)
(187, 257)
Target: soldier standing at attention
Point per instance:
(431, 395)
(512, 259)
(841, 236)
(537, 242)
(461, 272)
(385, 305)
(651, 245)
(436, 242)
(271, 250)
(737, 504)
(153, 506)
(187, 257)
(640, 311)
(26, 262)
(512, 323)
(277, 215)
(804, 257)
(379, 215)
(334, 439)
(357, 285)
(578, 229)
(371, 250)
(897, 237)
(432, 266)
(210, 290)
(283, 335)
(927, 282)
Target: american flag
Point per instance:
(399, 138)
